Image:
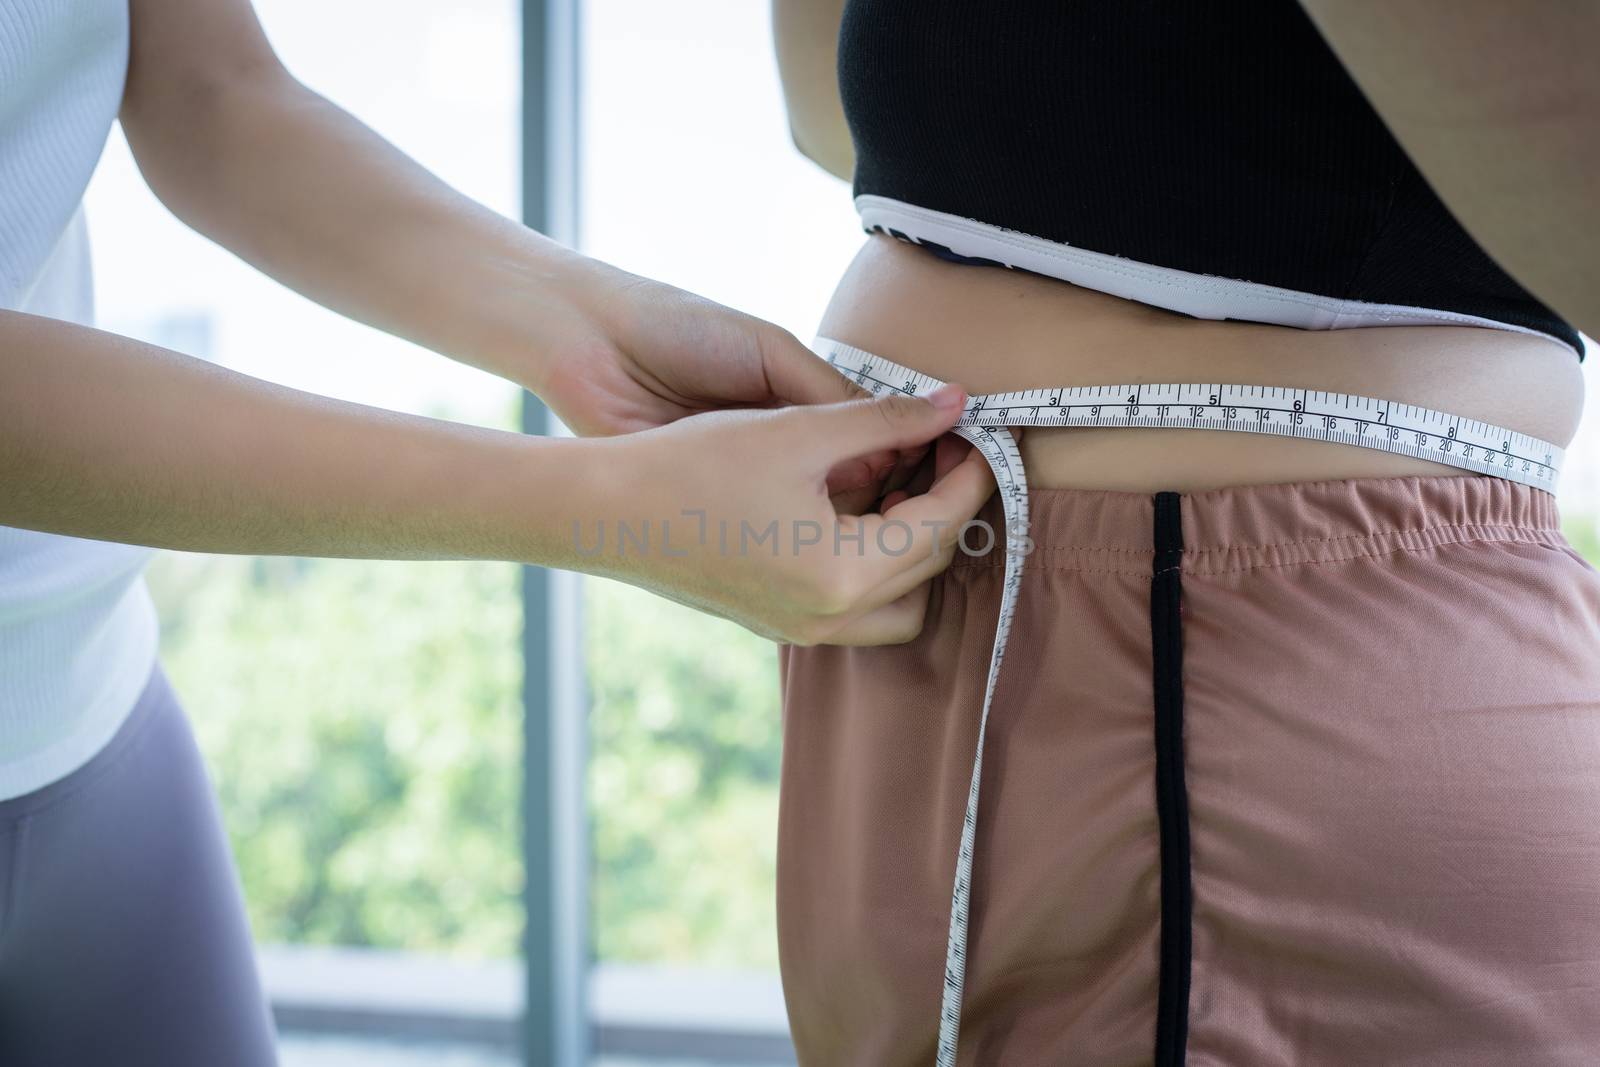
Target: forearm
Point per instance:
(311, 196)
(1499, 106)
(107, 438)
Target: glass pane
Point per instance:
(361, 719)
(689, 176)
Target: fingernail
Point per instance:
(948, 397)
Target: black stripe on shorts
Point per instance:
(1172, 808)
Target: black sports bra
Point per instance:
(1213, 159)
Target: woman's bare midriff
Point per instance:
(992, 330)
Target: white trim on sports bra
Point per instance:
(1204, 296)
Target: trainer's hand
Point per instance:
(630, 354)
(741, 522)
(616, 353)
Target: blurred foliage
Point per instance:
(362, 723)
(683, 782)
(1582, 531)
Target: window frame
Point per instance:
(556, 1019)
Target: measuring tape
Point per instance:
(1341, 417)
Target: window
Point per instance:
(361, 719)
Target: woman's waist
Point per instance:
(994, 330)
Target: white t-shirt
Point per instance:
(77, 630)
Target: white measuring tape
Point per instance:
(1341, 417)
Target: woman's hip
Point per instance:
(1323, 793)
(123, 935)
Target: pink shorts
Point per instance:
(1303, 774)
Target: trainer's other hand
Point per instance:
(739, 520)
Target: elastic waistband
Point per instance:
(1246, 527)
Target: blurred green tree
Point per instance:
(362, 724)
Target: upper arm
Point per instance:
(1499, 107)
(184, 48)
(183, 56)
(806, 34)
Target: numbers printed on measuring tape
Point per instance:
(1278, 410)
(1365, 422)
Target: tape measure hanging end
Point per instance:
(999, 448)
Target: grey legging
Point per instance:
(123, 938)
